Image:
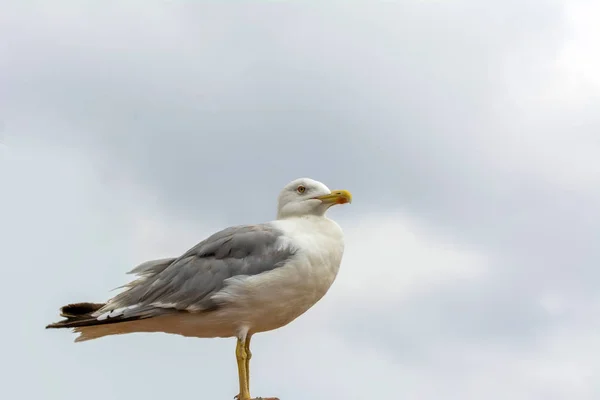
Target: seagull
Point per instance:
(237, 282)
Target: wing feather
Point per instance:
(188, 283)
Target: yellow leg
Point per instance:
(242, 362)
(243, 355)
(248, 357)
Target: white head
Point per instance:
(306, 196)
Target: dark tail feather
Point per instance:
(80, 309)
(80, 315)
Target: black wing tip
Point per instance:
(77, 314)
(80, 309)
(56, 325)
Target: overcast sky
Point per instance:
(467, 131)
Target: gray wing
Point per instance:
(188, 282)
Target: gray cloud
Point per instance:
(198, 114)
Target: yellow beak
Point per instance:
(336, 197)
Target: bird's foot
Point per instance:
(237, 397)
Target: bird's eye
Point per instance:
(301, 189)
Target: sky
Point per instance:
(467, 132)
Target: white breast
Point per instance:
(274, 299)
(321, 245)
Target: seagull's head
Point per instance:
(306, 196)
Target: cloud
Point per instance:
(396, 260)
(264, 95)
(467, 134)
